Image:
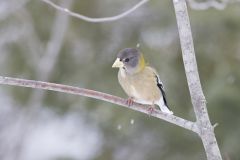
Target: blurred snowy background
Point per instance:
(38, 42)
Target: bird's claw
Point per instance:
(130, 101)
(150, 110)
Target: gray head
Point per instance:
(130, 59)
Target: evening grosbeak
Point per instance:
(140, 81)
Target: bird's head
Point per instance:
(129, 59)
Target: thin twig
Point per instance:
(208, 4)
(219, 5)
(95, 20)
(100, 96)
(58, 30)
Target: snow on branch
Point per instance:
(95, 20)
(100, 96)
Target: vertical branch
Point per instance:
(206, 131)
(43, 71)
(48, 61)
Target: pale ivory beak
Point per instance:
(117, 64)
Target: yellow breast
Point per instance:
(142, 86)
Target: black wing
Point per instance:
(160, 86)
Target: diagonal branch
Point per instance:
(100, 96)
(96, 20)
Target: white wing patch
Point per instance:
(163, 101)
(159, 81)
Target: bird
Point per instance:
(139, 80)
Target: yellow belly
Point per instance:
(141, 86)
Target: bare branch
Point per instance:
(100, 96)
(210, 4)
(9, 7)
(96, 20)
(198, 100)
(54, 45)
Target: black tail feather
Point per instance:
(160, 86)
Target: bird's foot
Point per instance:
(150, 110)
(129, 101)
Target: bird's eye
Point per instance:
(126, 60)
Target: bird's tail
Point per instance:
(163, 107)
